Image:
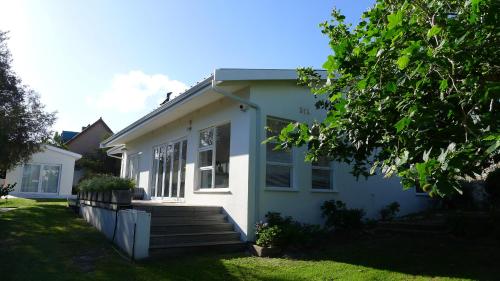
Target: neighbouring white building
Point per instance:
(48, 174)
(204, 147)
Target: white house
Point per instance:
(204, 147)
(48, 174)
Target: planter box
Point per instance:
(121, 197)
(265, 251)
(106, 196)
(100, 196)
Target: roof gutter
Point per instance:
(258, 121)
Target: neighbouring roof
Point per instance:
(67, 135)
(219, 75)
(99, 121)
(63, 151)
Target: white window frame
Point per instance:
(136, 157)
(331, 176)
(40, 176)
(212, 147)
(273, 163)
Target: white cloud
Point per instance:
(131, 92)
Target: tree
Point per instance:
(98, 162)
(57, 141)
(24, 125)
(412, 90)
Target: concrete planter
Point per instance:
(265, 251)
(100, 196)
(107, 196)
(121, 197)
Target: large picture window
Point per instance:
(213, 157)
(279, 163)
(321, 174)
(169, 170)
(40, 178)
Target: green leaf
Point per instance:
(433, 31)
(493, 147)
(395, 19)
(402, 124)
(403, 62)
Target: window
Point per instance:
(133, 168)
(213, 157)
(321, 175)
(169, 170)
(40, 178)
(279, 163)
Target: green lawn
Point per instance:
(44, 240)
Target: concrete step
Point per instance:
(191, 228)
(175, 239)
(187, 220)
(162, 209)
(199, 247)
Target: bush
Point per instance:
(389, 212)
(287, 231)
(6, 189)
(339, 217)
(268, 236)
(104, 183)
(492, 187)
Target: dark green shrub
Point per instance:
(290, 232)
(6, 189)
(389, 212)
(104, 183)
(269, 236)
(492, 187)
(339, 217)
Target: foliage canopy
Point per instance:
(24, 125)
(412, 90)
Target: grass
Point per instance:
(44, 240)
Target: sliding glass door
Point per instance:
(40, 178)
(169, 171)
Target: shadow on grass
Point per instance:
(424, 256)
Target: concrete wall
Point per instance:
(234, 199)
(131, 225)
(46, 157)
(288, 101)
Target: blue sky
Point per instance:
(117, 59)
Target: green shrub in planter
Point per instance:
(269, 236)
(106, 182)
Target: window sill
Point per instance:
(213, 190)
(323, 190)
(285, 189)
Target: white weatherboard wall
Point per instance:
(288, 101)
(53, 156)
(132, 228)
(234, 199)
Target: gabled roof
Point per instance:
(63, 151)
(88, 129)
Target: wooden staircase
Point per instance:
(190, 229)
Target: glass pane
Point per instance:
(222, 155)
(321, 179)
(161, 167)
(207, 137)
(275, 126)
(31, 176)
(206, 158)
(206, 179)
(154, 172)
(183, 169)
(278, 176)
(50, 179)
(175, 171)
(168, 167)
(281, 156)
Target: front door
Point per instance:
(169, 171)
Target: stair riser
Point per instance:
(168, 241)
(165, 221)
(185, 209)
(173, 229)
(173, 252)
